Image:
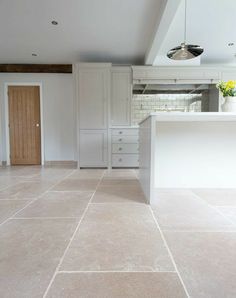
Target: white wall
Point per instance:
(195, 154)
(58, 113)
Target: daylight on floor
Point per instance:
(117, 149)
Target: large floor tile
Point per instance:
(30, 252)
(228, 212)
(54, 173)
(117, 285)
(6, 181)
(9, 207)
(87, 174)
(217, 197)
(206, 262)
(118, 194)
(117, 237)
(120, 182)
(25, 190)
(127, 174)
(58, 204)
(21, 171)
(70, 184)
(182, 210)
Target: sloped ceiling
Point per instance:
(117, 31)
(211, 24)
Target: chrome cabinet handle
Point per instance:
(120, 149)
(120, 140)
(120, 159)
(120, 132)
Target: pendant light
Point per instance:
(185, 51)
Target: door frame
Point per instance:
(6, 85)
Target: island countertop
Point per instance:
(192, 117)
(186, 151)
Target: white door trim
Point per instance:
(6, 85)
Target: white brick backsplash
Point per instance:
(142, 105)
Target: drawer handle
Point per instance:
(120, 132)
(120, 159)
(120, 140)
(120, 149)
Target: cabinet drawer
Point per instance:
(126, 132)
(125, 148)
(125, 139)
(125, 160)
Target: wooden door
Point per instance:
(24, 125)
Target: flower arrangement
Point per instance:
(227, 88)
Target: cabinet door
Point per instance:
(93, 148)
(93, 97)
(121, 97)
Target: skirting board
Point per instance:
(61, 163)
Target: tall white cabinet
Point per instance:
(93, 104)
(94, 95)
(104, 95)
(93, 148)
(121, 92)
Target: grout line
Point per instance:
(35, 199)
(41, 217)
(117, 203)
(224, 206)
(71, 239)
(16, 200)
(200, 231)
(214, 208)
(72, 191)
(223, 215)
(169, 251)
(9, 218)
(115, 271)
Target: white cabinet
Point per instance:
(159, 75)
(121, 91)
(125, 160)
(228, 75)
(94, 93)
(125, 132)
(93, 101)
(93, 148)
(125, 151)
(125, 148)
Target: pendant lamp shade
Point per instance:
(185, 51)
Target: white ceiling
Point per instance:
(117, 31)
(211, 24)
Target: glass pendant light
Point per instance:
(185, 51)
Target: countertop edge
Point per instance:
(188, 117)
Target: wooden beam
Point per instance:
(36, 68)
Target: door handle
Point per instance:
(37, 125)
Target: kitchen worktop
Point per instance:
(190, 117)
(185, 151)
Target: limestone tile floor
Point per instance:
(89, 233)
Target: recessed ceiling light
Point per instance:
(34, 55)
(54, 23)
(230, 44)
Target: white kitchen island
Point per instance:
(187, 150)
